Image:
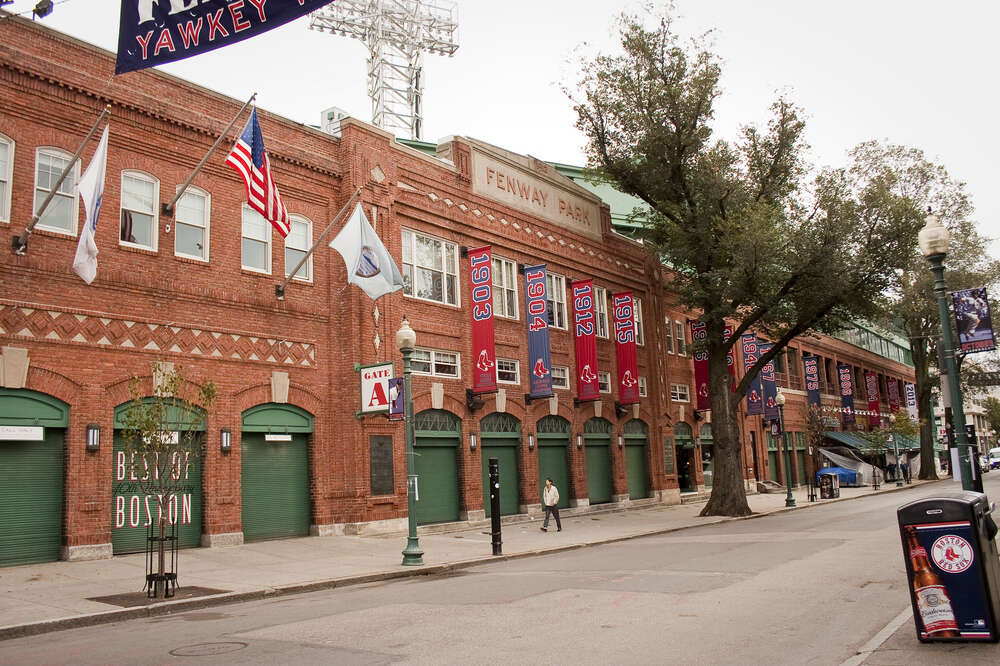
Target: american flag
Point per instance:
(249, 157)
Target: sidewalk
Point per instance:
(48, 597)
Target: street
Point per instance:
(801, 587)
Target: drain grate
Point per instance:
(208, 649)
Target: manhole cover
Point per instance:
(207, 649)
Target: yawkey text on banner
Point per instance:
(154, 32)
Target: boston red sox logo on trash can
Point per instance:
(952, 554)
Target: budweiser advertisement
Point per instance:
(484, 365)
(585, 333)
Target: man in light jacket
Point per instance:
(550, 497)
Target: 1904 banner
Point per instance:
(537, 318)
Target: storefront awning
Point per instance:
(850, 439)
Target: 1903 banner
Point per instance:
(484, 373)
(846, 392)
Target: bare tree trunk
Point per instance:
(928, 471)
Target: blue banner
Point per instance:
(846, 382)
(154, 32)
(810, 365)
(755, 404)
(536, 315)
(770, 388)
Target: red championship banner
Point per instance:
(871, 387)
(484, 375)
(628, 367)
(700, 355)
(892, 385)
(586, 340)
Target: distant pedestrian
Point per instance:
(550, 497)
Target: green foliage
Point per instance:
(992, 406)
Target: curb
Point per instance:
(168, 607)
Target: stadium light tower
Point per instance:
(397, 34)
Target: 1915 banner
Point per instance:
(846, 392)
(537, 318)
(154, 32)
(974, 324)
(755, 403)
(699, 332)
(484, 373)
(584, 328)
(628, 367)
(810, 365)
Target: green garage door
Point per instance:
(437, 435)
(276, 472)
(773, 471)
(501, 437)
(637, 459)
(553, 457)
(597, 446)
(31, 477)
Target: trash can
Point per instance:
(829, 486)
(952, 567)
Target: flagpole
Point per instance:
(279, 290)
(20, 243)
(168, 208)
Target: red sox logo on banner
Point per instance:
(628, 366)
(484, 376)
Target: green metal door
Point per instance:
(636, 471)
(507, 461)
(773, 471)
(132, 511)
(553, 456)
(275, 487)
(598, 457)
(436, 462)
(31, 499)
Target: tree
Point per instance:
(992, 406)
(162, 434)
(746, 241)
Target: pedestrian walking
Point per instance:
(550, 497)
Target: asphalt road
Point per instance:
(802, 587)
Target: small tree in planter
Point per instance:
(162, 433)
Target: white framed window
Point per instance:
(681, 336)
(642, 386)
(508, 371)
(297, 244)
(504, 288)
(601, 308)
(140, 194)
(560, 377)
(191, 224)
(670, 336)
(640, 338)
(435, 363)
(603, 381)
(6, 175)
(255, 252)
(556, 285)
(680, 393)
(430, 268)
(61, 214)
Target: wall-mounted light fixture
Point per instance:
(472, 441)
(621, 441)
(579, 441)
(531, 442)
(93, 437)
(226, 440)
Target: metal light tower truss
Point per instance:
(397, 34)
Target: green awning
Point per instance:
(850, 439)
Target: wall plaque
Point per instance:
(380, 457)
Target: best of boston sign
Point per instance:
(375, 394)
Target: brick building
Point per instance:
(197, 289)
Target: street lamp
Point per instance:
(895, 448)
(934, 240)
(406, 340)
(780, 399)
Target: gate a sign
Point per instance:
(375, 387)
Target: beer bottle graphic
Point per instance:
(933, 603)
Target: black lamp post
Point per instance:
(780, 399)
(406, 340)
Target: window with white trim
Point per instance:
(670, 337)
(140, 194)
(640, 339)
(255, 242)
(508, 371)
(297, 244)
(642, 387)
(601, 308)
(681, 335)
(61, 213)
(430, 268)
(6, 174)
(556, 287)
(504, 288)
(680, 393)
(603, 381)
(191, 221)
(435, 362)
(560, 377)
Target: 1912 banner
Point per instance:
(584, 329)
(846, 392)
(810, 365)
(628, 367)
(154, 32)
(484, 374)
(755, 403)
(699, 332)
(537, 318)
(972, 315)
(769, 385)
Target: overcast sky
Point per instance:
(917, 73)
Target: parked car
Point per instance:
(994, 458)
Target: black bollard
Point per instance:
(495, 505)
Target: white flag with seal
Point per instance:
(92, 191)
(369, 264)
